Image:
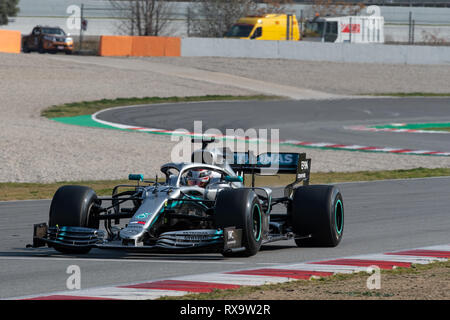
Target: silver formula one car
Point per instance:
(200, 206)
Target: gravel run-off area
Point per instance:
(36, 149)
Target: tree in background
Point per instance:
(143, 17)
(8, 8)
(213, 18)
(276, 6)
(336, 8)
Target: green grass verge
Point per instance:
(242, 292)
(34, 191)
(416, 126)
(408, 94)
(90, 107)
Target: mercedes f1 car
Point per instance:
(201, 206)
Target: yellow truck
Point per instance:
(267, 27)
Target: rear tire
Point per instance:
(241, 208)
(73, 206)
(25, 48)
(41, 48)
(318, 211)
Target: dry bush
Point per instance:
(142, 17)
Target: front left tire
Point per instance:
(73, 206)
(241, 208)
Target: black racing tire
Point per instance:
(41, 48)
(25, 48)
(241, 208)
(73, 206)
(317, 210)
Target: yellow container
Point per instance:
(267, 27)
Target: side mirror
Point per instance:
(234, 179)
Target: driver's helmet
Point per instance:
(198, 177)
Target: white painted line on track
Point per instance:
(393, 130)
(128, 293)
(323, 268)
(239, 279)
(399, 258)
(443, 247)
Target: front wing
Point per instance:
(206, 240)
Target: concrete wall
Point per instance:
(10, 41)
(139, 46)
(315, 51)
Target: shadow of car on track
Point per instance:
(107, 254)
(276, 247)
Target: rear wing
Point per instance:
(272, 164)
